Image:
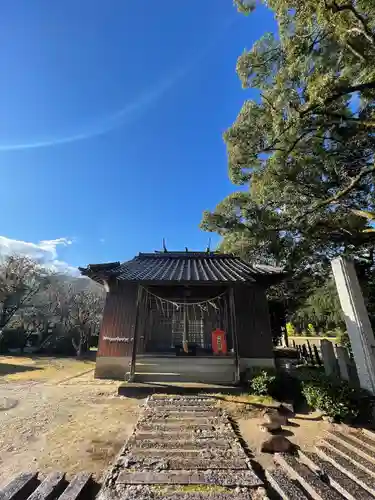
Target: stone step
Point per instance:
(50, 488)
(347, 467)
(184, 434)
(348, 488)
(153, 405)
(308, 479)
(363, 439)
(353, 444)
(188, 398)
(163, 413)
(232, 478)
(178, 422)
(178, 493)
(20, 487)
(181, 463)
(187, 444)
(78, 487)
(183, 362)
(218, 377)
(370, 434)
(287, 488)
(351, 455)
(207, 454)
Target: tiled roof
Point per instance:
(183, 267)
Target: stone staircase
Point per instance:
(342, 466)
(166, 369)
(183, 448)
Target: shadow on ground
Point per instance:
(9, 368)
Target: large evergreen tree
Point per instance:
(306, 146)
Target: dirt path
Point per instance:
(70, 424)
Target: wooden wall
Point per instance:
(253, 322)
(118, 321)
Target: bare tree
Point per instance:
(86, 310)
(34, 301)
(20, 280)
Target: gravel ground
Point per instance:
(76, 425)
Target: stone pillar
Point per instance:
(343, 361)
(329, 358)
(357, 321)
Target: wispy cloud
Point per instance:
(129, 111)
(45, 252)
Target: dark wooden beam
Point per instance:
(135, 335)
(232, 310)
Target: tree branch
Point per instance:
(340, 194)
(362, 20)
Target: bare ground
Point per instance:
(55, 416)
(304, 430)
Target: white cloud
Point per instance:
(45, 252)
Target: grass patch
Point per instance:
(246, 399)
(192, 488)
(25, 369)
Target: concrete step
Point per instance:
(349, 453)
(223, 377)
(284, 486)
(309, 480)
(346, 466)
(348, 488)
(353, 444)
(363, 439)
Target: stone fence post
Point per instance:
(357, 321)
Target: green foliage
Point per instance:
(344, 340)
(290, 330)
(336, 398)
(322, 308)
(261, 384)
(305, 149)
(311, 330)
(244, 6)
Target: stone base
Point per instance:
(113, 367)
(246, 363)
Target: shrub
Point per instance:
(311, 330)
(290, 330)
(336, 398)
(261, 384)
(344, 340)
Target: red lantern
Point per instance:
(219, 342)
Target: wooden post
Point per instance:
(317, 357)
(232, 309)
(310, 352)
(135, 336)
(185, 345)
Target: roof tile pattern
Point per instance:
(192, 266)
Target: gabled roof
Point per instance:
(183, 267)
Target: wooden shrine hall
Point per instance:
(183, 316)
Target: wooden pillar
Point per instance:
(185, 345)
(232, 309)
(135, 335)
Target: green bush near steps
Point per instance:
(262, 384)
(335, 398)
(338, 399)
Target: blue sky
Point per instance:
(112, 114)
